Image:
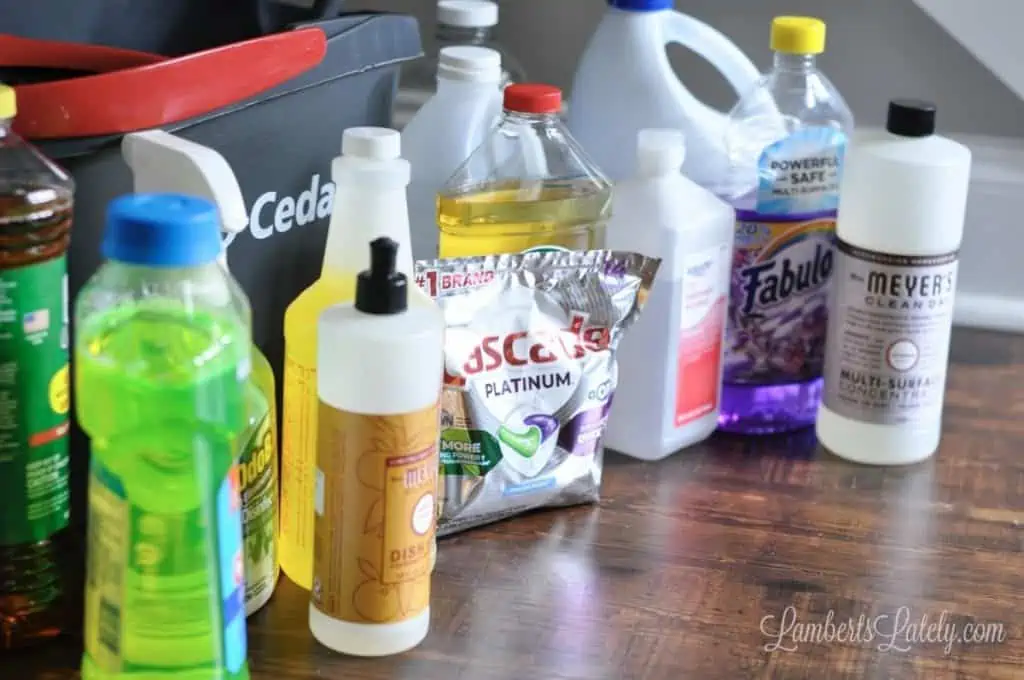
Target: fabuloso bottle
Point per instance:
(161, 161)
(786, 140)
(370, 201)
(162, 358)
(35, 542)
(901, 222)
(377, 464)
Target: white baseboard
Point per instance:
(990, 294)
(989, 312)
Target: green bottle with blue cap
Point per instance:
(162, 355)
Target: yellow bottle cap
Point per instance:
(8, 102)
(798, 35)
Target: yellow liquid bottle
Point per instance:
(369, 202)
(259, 478)
(529, 186)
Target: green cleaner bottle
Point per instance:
(35, 545)
(162, 356)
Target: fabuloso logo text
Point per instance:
(272, 213)
(793, 268)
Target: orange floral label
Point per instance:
(375, 514)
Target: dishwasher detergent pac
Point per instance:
(530, 371)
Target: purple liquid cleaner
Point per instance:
(778, 314)
(787, 141)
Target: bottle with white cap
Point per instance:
(902, 204)
(442, 134)
(371, 180)
(459, 22)
(377, 464)
(670, 364)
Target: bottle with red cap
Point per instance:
(529, 186)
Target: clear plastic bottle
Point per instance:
(529, 185)
(35, 544)
(459, 22)
(786, 141)
(162, 357)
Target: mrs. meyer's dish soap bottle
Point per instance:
(35, 542)
(786, 141)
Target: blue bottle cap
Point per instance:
(641, 5)
(162, 230)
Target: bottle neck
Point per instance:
(462, 35)
(531, 119)
(465, 87)
(362, 214)
(795, 62)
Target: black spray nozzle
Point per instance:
(381, 289)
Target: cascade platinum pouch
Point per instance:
(530, 371)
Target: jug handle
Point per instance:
(714, 46)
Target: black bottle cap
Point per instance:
(380, 289)
(911, 118)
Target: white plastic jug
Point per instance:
(670, 363)
(443, 133)
(624, 83)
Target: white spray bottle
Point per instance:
(161, 161)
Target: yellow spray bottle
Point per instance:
(370, 202)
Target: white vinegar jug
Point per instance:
(624, 83)
(443, 133)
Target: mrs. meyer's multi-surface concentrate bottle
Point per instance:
(901, 223)
(35, 223)
(786, 142)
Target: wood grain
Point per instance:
(672, 575)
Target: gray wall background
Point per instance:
(877, 49)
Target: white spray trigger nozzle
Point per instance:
(163, 162)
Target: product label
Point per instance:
(530, 371)
(701, 323)
(106, 567)
(232, 571)
(888, 338)
(258, 470)
(375, 514)
(165, 556)
(298, 462)
(778, 298)
(800, 174)
(34, 402)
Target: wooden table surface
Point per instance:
(691, 567)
